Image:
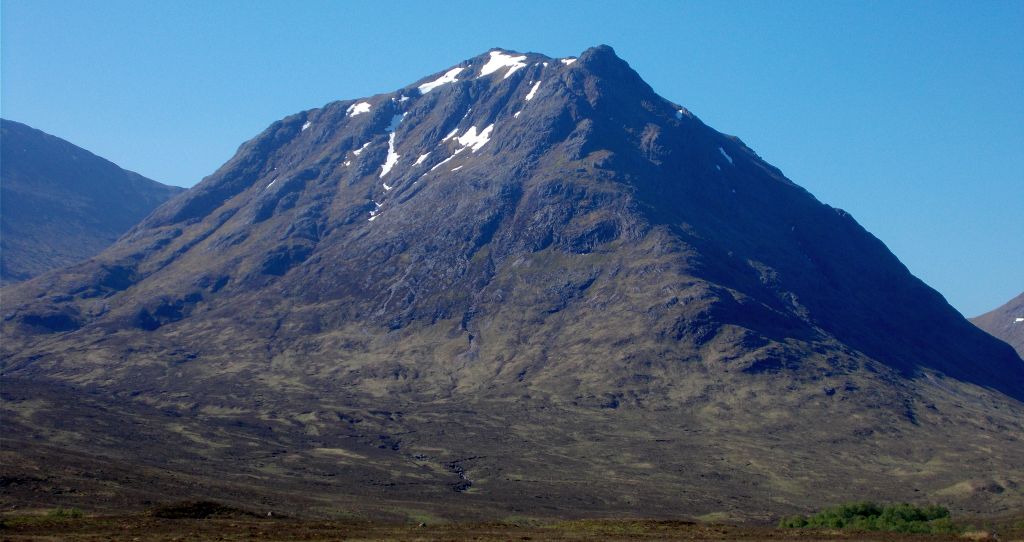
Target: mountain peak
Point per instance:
(525, 154)
(545, 244)
(603, 61)
(600, 51)
(600, 60)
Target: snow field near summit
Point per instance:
(500, 60)
(358, 109)
(448, 77)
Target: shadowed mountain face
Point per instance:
(537, 283)
(62, 204)
(1005, 323)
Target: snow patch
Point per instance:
(421, 159)
(446, 160)
(347, 163)
(448, 77)
(725, 154)
(358, 109)
(1018, 320)
(271, 183)
(359, 151)
(451, 134)
(402, 99)
(718, 167)
(545, 64)
(679, 114)
(533, 91)
(500, 60)
(395, 121)
(469, 140)
(375, 212)
(516, 115)
(567, 61)
(391, 160)
(456, 168)
(475, 140)
(307, 125)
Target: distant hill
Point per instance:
(1006, 323)
(61, 204)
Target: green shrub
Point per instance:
(869, 516)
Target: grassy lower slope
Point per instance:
(736, 457)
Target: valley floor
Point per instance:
(145, 528)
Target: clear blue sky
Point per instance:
(909, 115)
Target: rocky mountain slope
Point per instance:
(61, 204)
(524, 284)
(1005, 323)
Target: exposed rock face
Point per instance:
(61, 204)
(544, 267)
(1005, 323)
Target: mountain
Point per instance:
(521, 286)
(61, 204)
(1005, 323)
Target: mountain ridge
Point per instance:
(1005, 322)
(62, 203)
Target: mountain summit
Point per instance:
(533, 281)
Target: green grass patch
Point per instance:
(64, 513)
(52, 516)
(422, 516)
(869, 516)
